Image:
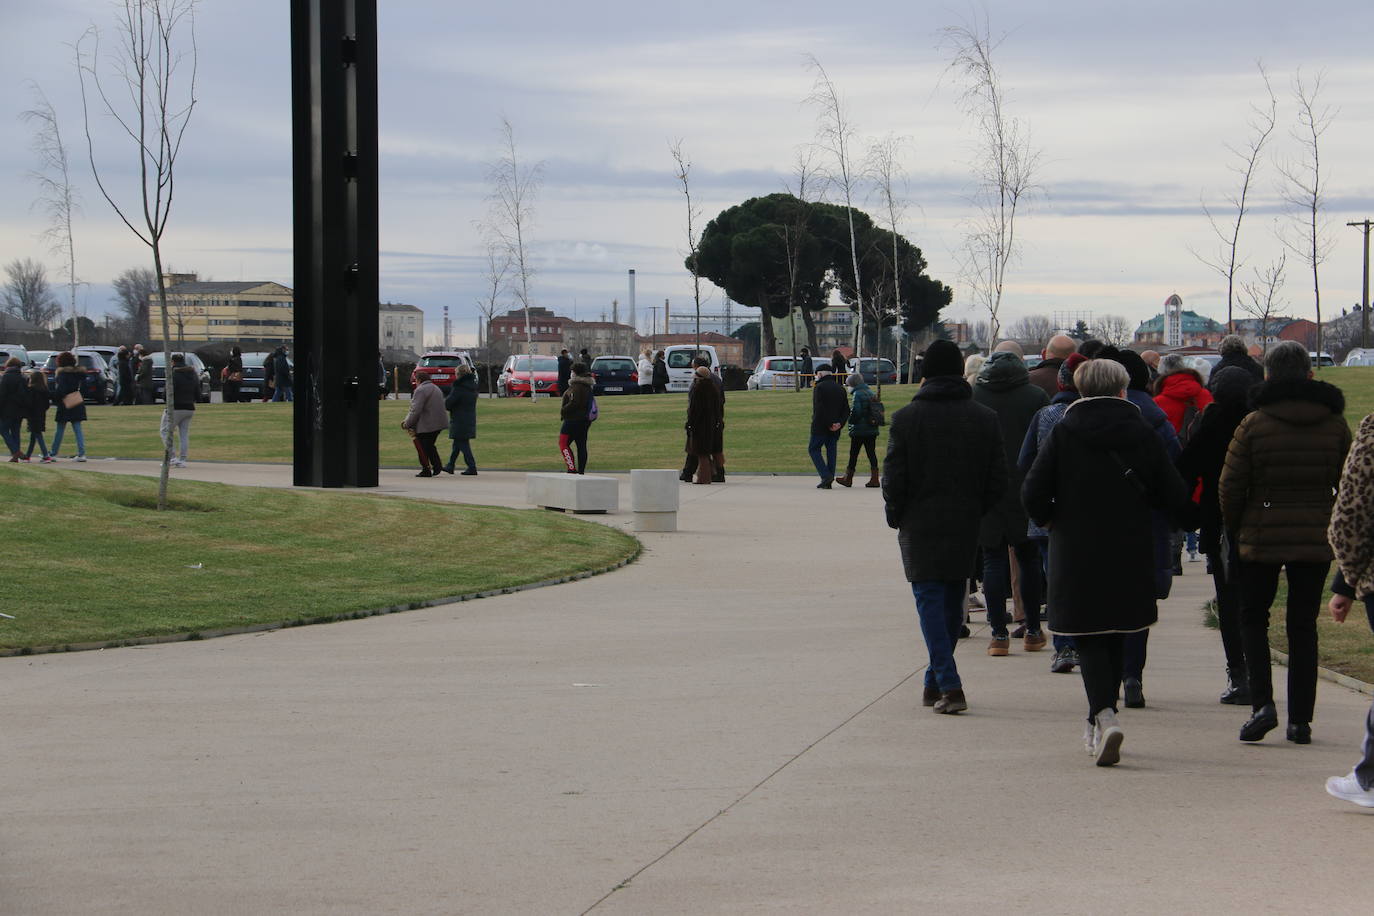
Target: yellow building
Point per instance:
(243, 312)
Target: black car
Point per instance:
(160, 376)
(98, 385)
(615, 375)
(254, 384)
(869, 368)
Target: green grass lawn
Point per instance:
(764, 431)
(90, 560)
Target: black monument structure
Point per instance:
(334, 115)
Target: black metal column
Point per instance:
(334, 112)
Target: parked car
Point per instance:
(8, 350)
(774, 373)
(107, 353)
(160, 376)
(1359, 357)
(99, 383)
(615, 375)
(441, 367)
(1321, 361)
(870, 368)
(679, 359)
(514, 381)
(37, 358)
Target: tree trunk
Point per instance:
(809, 319)
(770, 337)
(166, 375)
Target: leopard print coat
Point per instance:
(1351, 532)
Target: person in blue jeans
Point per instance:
(281, 376)
(945, 468)
(829, 411)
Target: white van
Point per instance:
(679, 359)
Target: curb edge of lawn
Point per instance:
(322, 618)
(1327, 674)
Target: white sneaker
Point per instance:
(1193, 557)
(79, 458)
(1107, 750)
(1090, 738)
(1347, 788)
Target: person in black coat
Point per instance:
(808, 367)
(829, 411)
(1234, 353)
(233, 376)
(1201, 463)
(39, 402)
(716, 430)
(945, 468)
(14, 405)
(565, 364)
(66, 380)
(461, 404)
(1093, 485)
(660, 373)
(281, 376)
(124, 366)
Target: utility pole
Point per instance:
(1364, 301)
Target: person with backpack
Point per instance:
(866, 416)
(578, 412)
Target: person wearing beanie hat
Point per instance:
(829, 410)
(863, 433)
(1067, 370)
(1004, 386)
(945, 468)
(1200, 464)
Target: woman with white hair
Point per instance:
(1093, 485)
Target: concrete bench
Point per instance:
(573, 492)
(653, 497)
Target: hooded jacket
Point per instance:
(945, 468)
(1094, 484)
(1004, 387)
(1282, 468)
(577, 400)
(461, 405)
(859, 425)
(1178, 391)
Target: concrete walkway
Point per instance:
(730, 724)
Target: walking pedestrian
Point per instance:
(660, 373)
(829, 410)
(233, 377)
(39, 402)
(838, 364)
(67, 382)
(944, 470)
(1276, 492)
(717, 445)
(645, 371)
(281, 376)
(705, 415)
(462, 419)
(425, 419)
(14, 403)
(143, 379)
(124, 377)
(564, 370)
(1200, 464)
(1004, 387)
(183, 385)
(808, 367)
(863, 431)
(1351, 534)
(1093, 485)
(577, 414)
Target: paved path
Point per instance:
(730, 724)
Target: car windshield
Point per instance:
(445, 362)
(541, 364)
(872, 365)
(613, 365)
(682, 359)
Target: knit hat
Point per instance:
(1231, 385)
(943, 358)
(1135, 368)
(1066, 371)
(855, 380)
(824, 369)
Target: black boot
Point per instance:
(1237, 692)
(1261, 722)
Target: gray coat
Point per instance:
(426, 414)
(462, 408)
(945, 468)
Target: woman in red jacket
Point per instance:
(1180, 393)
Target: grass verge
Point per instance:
(1346, 648)
(90, 560)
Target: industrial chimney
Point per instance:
(630, 320)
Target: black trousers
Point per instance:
(1101, 659)
(429, 454)
(1228, 618)
(868, 444)
(1258, 584)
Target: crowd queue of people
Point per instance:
(1083, 476)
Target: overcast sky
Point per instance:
(1130, 104)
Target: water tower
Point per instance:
(1173, 322)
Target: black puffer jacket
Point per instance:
(1205, 454)
(1094, 483)
(945, 468)
(1282, 469)
(1004, 386)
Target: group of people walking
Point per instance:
(134, 376)
(26, 401)
(431, 411)
(1084, 486)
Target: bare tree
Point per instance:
(1261, 299)
(514, 186)
(1004, 168)
(1304, 186)
(494, 284)
(56, 194)
(27, 294)
(1035, 330)
(156, 37)
(684, 175)
(134, 289)
(835, 137)
(1245, 160)
(889, 180)
(804, 184)
(1116, 330)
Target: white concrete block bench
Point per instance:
(653, 497)
(573, 492)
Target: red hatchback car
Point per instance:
(440, 366)
(514, 381)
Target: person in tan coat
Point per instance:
(1276, 493)
(426, 418)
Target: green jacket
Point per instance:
(859, 426)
